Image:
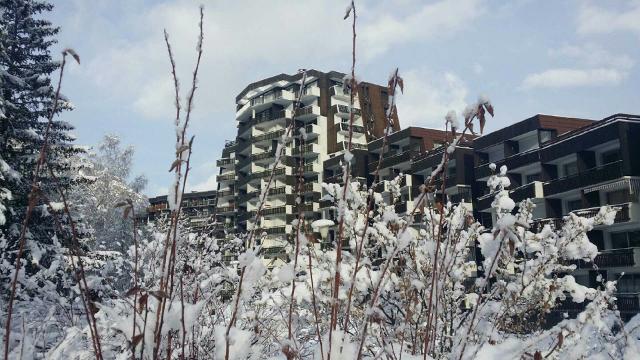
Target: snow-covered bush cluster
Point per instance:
(433, 284)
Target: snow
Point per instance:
(321, 223)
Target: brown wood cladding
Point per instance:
(562, 124)
(373, 99)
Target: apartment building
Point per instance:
(567, 166)
(265, 109)
(198, 207)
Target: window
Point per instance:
(628, 283)
(570, 168)
(624, 240)
(617, 197)
(437, 144)
(574, 205)
(610, 156)
(532, 177)
(545, 135)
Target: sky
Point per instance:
(572, 58)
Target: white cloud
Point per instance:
(424, 21)
(209, 184)
(589, 65)
(593, 19)
(428, 97)
(593, 55)
(567, 77)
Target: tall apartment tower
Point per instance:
(264, 111)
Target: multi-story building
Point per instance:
(570, 165)
(265, 109)
(198, 207)
(415, 152)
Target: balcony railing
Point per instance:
(538, 224)
(308, 148)
(226, 177)
(392, 160)
(344, 145)
(273, 252)
(621, 216)
(589, 177)
(269, 116)
(274, 211)
(224, 209)
(268, 136)
(308, 110)
(262, 156)
(344, 109)
(611, 258)
(512, 162)
(275, 230)
(225, 162)
(344, 127)
(271, 96)
(267, 173)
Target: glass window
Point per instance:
(628, 283)
(617, 197)
(574, 205)
(570, 169)
(610, 156)
(619, 240)
(532, 177)
(634, 238)
(545, 135)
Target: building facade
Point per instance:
(265, 109)
(198, 208)
(575, 166)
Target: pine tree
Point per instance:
(26, 98)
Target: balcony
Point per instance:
(226, 162)
(310, 93)
(309, 168)
(622, 215)
(612, 258)
(225, 209)
(281, 97)
(393, 160)
(308, 149)
(308, 112)
(343, 128)
(312, 131)
(343, 145)
(226, 177)
(267, 173)
(589, 177)
(262, 156)
(533, 190)
(224, 194)
(538, 224)
(266, 118)
(338, 92)
(275, 230)
(512, 162)
(268, 136)
(274, 252)
(274, 211)
(343, 111)
(312, 187)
